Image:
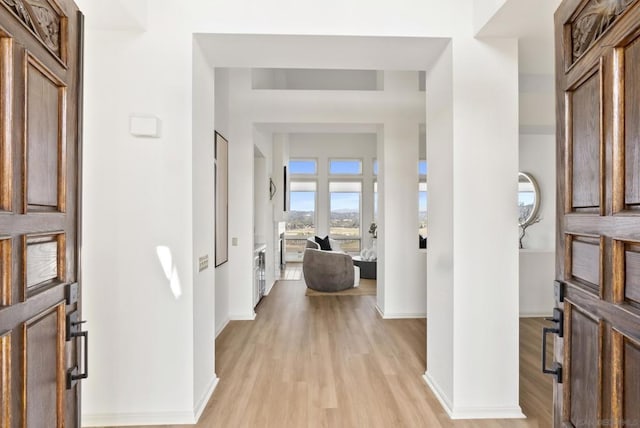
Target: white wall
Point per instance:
(478, 315)
(204, 377)
(137, 198)
(138, 194)
(221, 120)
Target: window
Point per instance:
(344, 216)
(345, 167)
(422, 168)
(375, 167)
(375, 201)
(303, 167)
(301, 223)
(422, 208)
(422, 197)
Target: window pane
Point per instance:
(422, 167)
(301, 221)
(375, 201)
(344, 219)
(422, 209)
(375, 167)
(345, 166)
(302, 166)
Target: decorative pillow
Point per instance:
(324, 243)
(423, 242)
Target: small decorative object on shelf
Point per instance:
(523, 228)
(373, 230)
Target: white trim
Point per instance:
(128, 419)
(514, 412)
(437, 391)
(402, 316)
(242, 317)
(268, 290)
(224, 324)
(159, 418)
(380, 311)
(535, 314)
(197, 411)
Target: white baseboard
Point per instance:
(514, 412)
(402, 316)
(222, 327)
(268, 290)
(159, 418)
(535, 314)
(380, 312)
(437, 391)
(205, 399)
(242, 317)
(137, 419)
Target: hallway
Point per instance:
(333, 362)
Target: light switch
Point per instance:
(234, 242)
(203, 263)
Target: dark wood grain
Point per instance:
(597, 100)
(42, 260)
(5, 380)
(632, 275)
(631, 388)
(585, 110)
(43, 371)
(6, 179)
(5, 271)
(45, 137)
(585, 370)
(632, 122)
(585, 261)
(39, 182)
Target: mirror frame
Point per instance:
(536, 204)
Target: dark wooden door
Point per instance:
(40, 86)
(598, 235)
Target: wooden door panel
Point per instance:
(584, 258)
(6, 55)
(5, 380)
(585, 143)
(45, 100)
(583, 391)
(39, 216)
(598, 236)
(5, 271)
(44, 260)
(631, 79)
(44, 368)
(629, 273)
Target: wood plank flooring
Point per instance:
(333, 362)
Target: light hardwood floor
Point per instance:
(331, 361)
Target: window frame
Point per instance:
(332, 174)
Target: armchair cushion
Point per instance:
(325, 243)
(327, 270)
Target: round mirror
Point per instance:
(528, 199)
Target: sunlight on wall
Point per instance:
(166, 261)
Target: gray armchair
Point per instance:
(326, 270)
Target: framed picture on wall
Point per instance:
(221, 199)
(286, 193)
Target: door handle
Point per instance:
(74, 331)
(556, 368)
